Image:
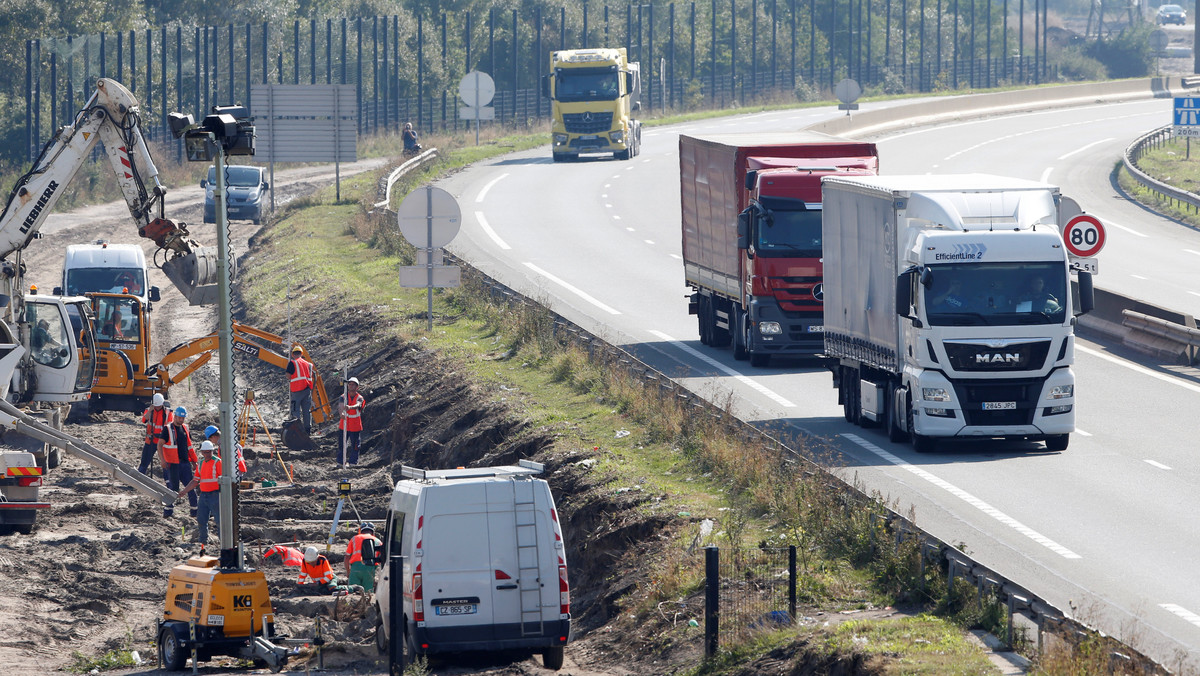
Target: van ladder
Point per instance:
(528, 557)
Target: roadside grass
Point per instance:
(687, 461)
(1171, 164)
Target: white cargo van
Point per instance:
(106, 268)
(485, 566)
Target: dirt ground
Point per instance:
(92, 576)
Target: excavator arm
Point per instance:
(110, 116)
(248, 340)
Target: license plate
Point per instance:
(816, 329)
(588, 137)
(999, 405)
(456, 610)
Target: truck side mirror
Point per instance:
(546, 86)
(743, 230)
(637, 105)
(751, 179)
(204, 183)
(1087, 293)
(58, 291)
(154, 294)
(904, 295)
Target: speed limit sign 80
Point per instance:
(1084, 236)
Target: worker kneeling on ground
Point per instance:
(316, 575)
(360, 557)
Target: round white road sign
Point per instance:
(1084, 236)
(476, 89)
(429, 217)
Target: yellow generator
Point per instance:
(213, 611)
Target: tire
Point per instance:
(720, 337)
(703, 316)
(626, 154)
(53, 457)
(849, 397)
(920, 442)
(740, 338)
(557, 157)
(552, 658)
(173, 657)
(210, 217)
(381, 640)
(24, 528)
(1058, 442)
(895, 434)
(759, 360)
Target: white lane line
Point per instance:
(1139, 369)
(490, 233)
(967, 497)
(648, 241)
(608, 206)
(676, 256)
(745, 380)
(1082, 433)
(1192, 251)
(1187, 615)
(1046, 174)
(1079, 150)
(1194, 293)
(1156, 464)
(1139, 277)
(483, 193)
(1110, 224)
(616, 217)
(573, 289)
(629, 228)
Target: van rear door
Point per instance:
(456, 568)
(523, 557)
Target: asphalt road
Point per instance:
(1104, 530)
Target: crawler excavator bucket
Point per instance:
(190, 267)
(296, 437)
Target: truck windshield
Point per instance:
(105, 280)
(789, 233)
(587, 85)
(997, 294)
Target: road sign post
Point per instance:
(429, 218)
(476, 90)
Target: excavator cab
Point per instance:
(62, 357)
(123, 352)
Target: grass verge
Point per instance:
(1175, 164)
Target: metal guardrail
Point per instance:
(1136, 150)
(425, 156)
(1173, 338)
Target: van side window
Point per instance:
(397, 533)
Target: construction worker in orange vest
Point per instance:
(359, 571)
(351, 422)
(300, 380)
(315, 570)
(176, 453)
(208, 480)
(154, 418)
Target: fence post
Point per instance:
(712, 611)
(397, 629)
(792, 583)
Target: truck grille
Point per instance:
(1024, 393)
(587, 123)
(1029, 356)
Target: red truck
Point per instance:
(752, 236)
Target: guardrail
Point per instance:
(1163, 337)
(1136, 150)
(425, 156)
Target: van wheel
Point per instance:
(552, 658)
(381, 640)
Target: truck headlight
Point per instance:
(1056, 410)
(939, 412)
(1061, 392)
(617, 136)
(935, 394)
(560, 139)
(770, 328)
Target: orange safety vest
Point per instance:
(210, 475)
(354, 549)
(170, 446)
(155, 420)
(352, 418)
(301, 376)
(316, 573)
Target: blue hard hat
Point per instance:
(181, 412)
(211, 430)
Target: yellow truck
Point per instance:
(593, 95)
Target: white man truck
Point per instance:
(593, 94)
(948, 307)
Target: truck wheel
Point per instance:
(704, 321)
(624, 154)
(720, 337)
(895, 434)
(170, 651)
(552, 658)
(1058, 442)
(759, 360)
(920, 442)
(740, 338)
(850, 397)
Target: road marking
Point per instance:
(575, 290)
(1139, 277)
(604, 196)
(630, 229)
(1182, 612)
(967, 497)
(1110, 224)
(648, 241)
(488, 229)
(1192, 251)
(1079, 150)
(609, 206)
(616, 217)
(1194, 293)
(676, 256)
(483, 193)
(1139, 369)
(1046, 174)
(745, 380)
(1082, 433)
(1156, 464)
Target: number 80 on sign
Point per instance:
(1084, 236)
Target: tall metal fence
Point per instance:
(753, 590)
(407, 66)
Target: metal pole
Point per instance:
(396, 656)
(231, 554)
(712, 575)
(792, 582)
(429, 237)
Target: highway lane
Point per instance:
(1102, 528)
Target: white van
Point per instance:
(485, 566)
(106, 268)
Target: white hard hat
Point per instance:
(157, 399)
(353, 380)
(310, 554)
(207, 446)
